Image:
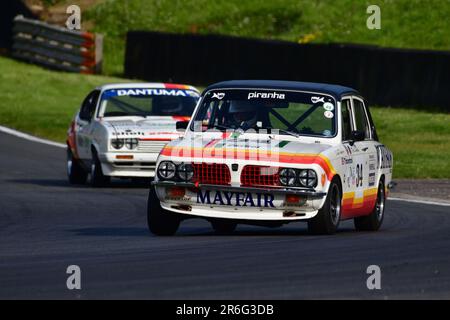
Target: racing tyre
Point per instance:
(98, 179)
(327, 219)
(373, 221)
(223, 226)
(75, 172)
(160, 222)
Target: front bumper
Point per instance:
(311, 202)
(141, 164)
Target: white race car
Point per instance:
(273, 152)
(121, 128)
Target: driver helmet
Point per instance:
(168, 105)
(243, 114)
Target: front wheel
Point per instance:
(98, 179)
(75, 172)
(327, 219)
(160, 222)
(373, 221)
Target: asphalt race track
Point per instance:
(47, 225)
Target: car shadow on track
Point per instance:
(186, 232)
(262, 233)
(111, 232)
(200, 228)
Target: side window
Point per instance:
(346, 120)
(360, 118)
(88, 106)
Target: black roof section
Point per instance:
(331, 89)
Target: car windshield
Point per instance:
(278, 111)
(147, 102)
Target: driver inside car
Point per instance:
(243, 115)
(167, 105)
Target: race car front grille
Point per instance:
(212, 173)
(259, 176)
(151, 146)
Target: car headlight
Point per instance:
(308, 178)
(185, 171)
(166, 170)
(117, 143)
(287, 177)
(131, 143)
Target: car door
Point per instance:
(85, 124)
(364, 151)
(352, 156)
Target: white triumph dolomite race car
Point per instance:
(272, 152)
(121, 128)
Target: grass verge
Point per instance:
(404, 23)
(42, 102)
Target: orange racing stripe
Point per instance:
(353, 207)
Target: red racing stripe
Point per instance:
(181, 118)
(175, 86)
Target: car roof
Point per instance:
(153, 85)
(336, 91)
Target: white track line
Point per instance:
(30, 137)
(434, 203)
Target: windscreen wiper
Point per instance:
(289, 133)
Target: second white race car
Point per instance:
(121, 128)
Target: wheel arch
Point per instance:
(95, 148)
(339, 182)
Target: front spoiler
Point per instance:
(294, 191)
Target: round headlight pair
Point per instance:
(185, 171)
(128, 143)
(131, 143)
(289, 177)
(117, 143)
(167, 171)
(308, 178)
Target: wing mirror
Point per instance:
(358, 136)
(182, 125)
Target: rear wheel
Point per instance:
(223, 226)
(327, 219)
(160, 222)
(373, 221)
(75, 172)
(98, 179)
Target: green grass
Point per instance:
(419, 140)
(42, 102)
(404, 23)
